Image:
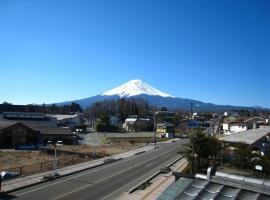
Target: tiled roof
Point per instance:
(196, 189)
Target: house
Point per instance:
(254, 122)
(13, 134)
(114, 120)
(257, 139)
(136, 124)
(234, 127)
(17, 128)
(165, 130)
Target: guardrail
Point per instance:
(153, 175)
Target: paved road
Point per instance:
(105, 182)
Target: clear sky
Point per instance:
(59, 50)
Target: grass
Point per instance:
(16, 159)
(32, 159)
(108, 149)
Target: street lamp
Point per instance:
(55, 143)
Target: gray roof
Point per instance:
(45, 129)
(6, 124)
(249, 136)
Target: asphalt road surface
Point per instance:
(105, 182)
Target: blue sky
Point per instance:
(213, 51)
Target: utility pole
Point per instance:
(192, 139)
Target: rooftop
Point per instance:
(62, 117)
(249, 136)
(220, 186)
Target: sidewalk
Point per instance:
(26, 181)
(159, 184)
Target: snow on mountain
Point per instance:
(135, 88)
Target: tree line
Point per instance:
(47, 109)
(122, 108)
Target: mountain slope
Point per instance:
(155, 97)
(135, 88)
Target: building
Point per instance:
(165, 130)
(67, 120)
(234, 127)
(14, 134)
(216, 185)
(232, 114)
(19, 128)
(136, 124)
(257, 139)
(114, 121)
(25, 117)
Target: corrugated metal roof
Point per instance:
(249, 136)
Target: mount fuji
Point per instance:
(155, 97)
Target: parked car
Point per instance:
(8, 175)
(27, 147)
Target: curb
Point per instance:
(62, 176)
(58, 177)
(140, 153)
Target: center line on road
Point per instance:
(66, 194)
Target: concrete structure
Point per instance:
(136, 124)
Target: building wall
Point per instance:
(238, 128)
(17, 135)
(229, 129)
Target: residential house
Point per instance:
(165, 130)
(13, 134)
(136, 124)
(17, 128)
(234, 127)
(114, 120)
(257, 139)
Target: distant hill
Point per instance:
(140, 89)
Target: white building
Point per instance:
(136, 124)
(231, 128)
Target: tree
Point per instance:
(242, 155)
(201, 147)
(163, 109)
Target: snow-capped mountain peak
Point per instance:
(134, 88)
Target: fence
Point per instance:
(61, 162)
